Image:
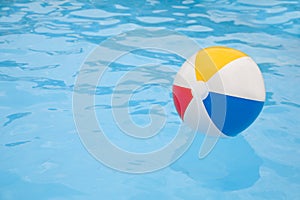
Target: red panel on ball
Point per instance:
(182, 97)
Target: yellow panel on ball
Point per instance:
(212, 59)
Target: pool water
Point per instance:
(43, 44)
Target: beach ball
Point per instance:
(219, 91)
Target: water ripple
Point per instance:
(16, 143)
(96, 13)
(15, 116)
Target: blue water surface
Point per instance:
(42, 46)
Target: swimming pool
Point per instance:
(43, 44)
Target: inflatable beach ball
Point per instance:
(219, 91)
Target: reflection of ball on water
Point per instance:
(219, 91)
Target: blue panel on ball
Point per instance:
(231, 114)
